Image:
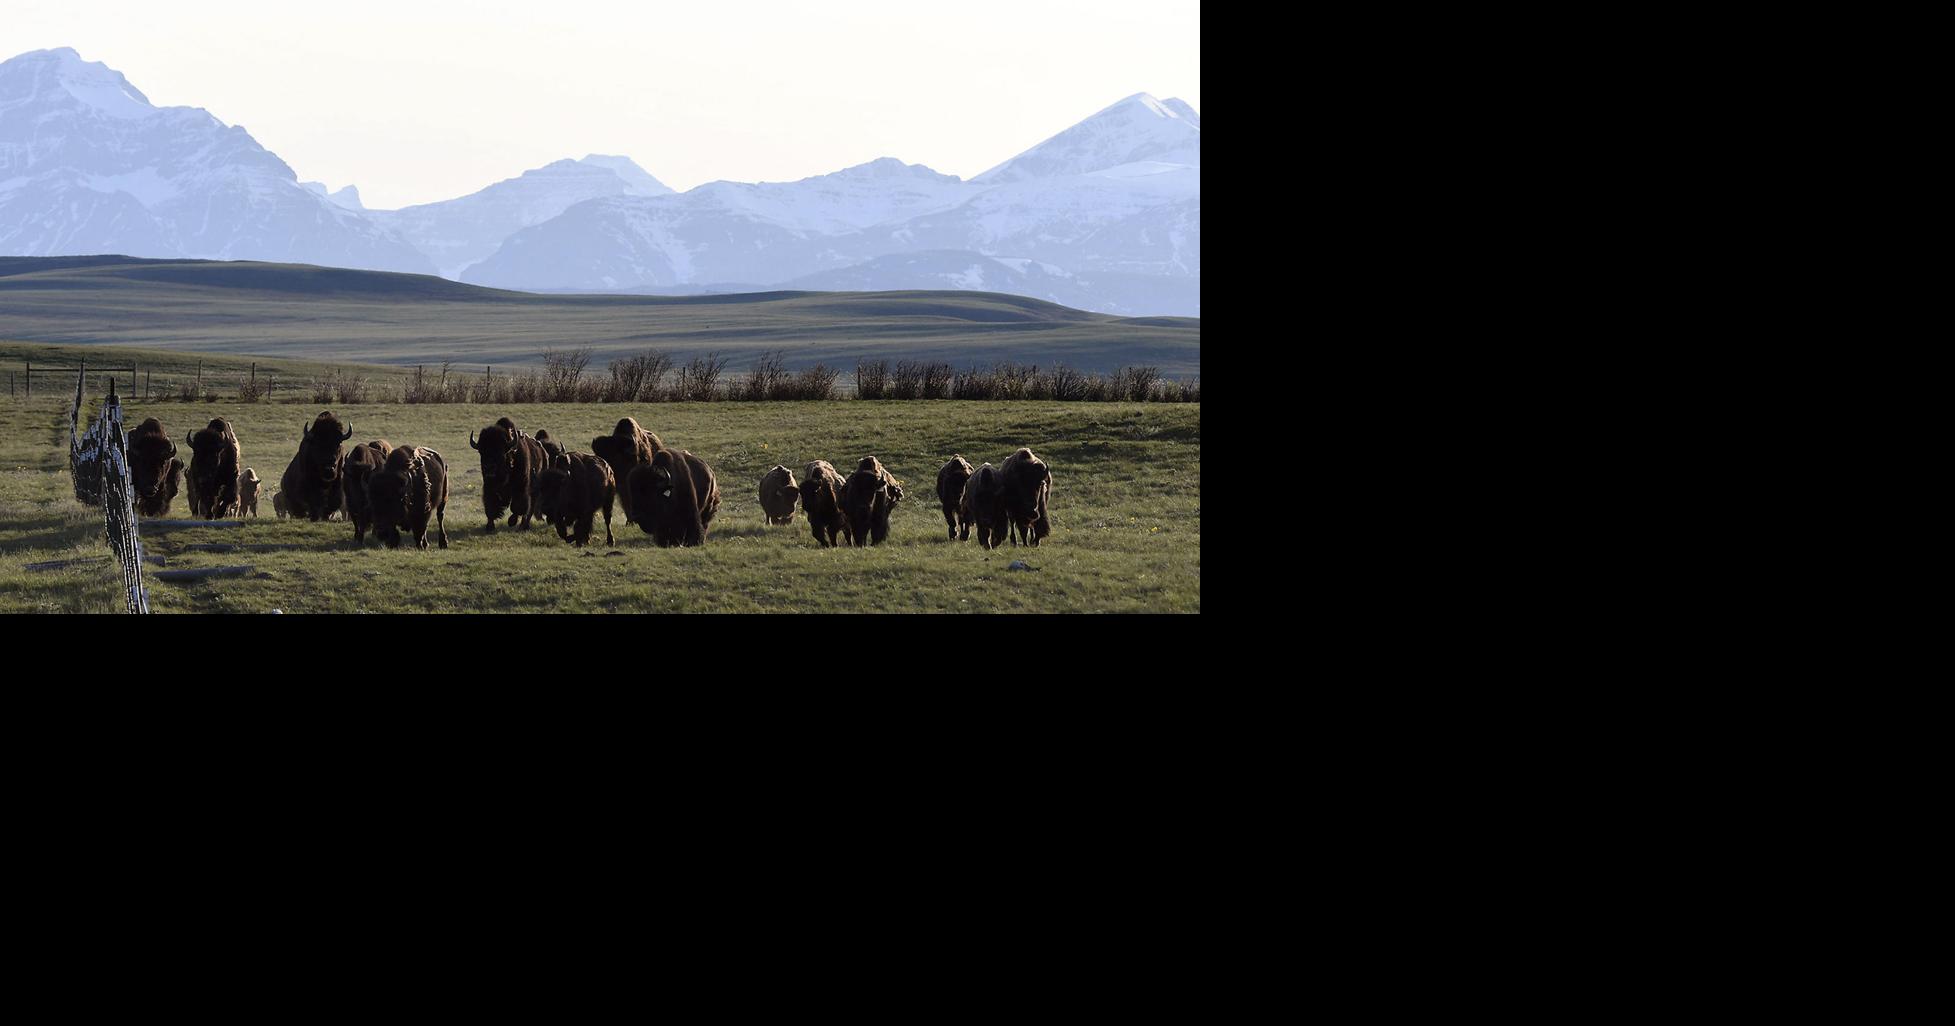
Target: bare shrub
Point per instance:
(323, 389)
(637, 377)
(350, 390)
(1065, 384)
(563, 369)
(1141, 382)
(698, 380)
(936, 381)
(872, 379)
(817, 382)
(764, 378)
(906, 382)
(250, 390)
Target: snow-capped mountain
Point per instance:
(459, 232)
(1138, 128)
(1103, 216)
(718, 232)
(89, 165)
(1114, 202)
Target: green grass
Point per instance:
(1126, 512)
(313, 313)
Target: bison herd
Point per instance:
(669, 493)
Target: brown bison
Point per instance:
(868, 496)
(356, 474)
(512, 463)
(950, 493)
(821, 500)
(310, 486)
(248, 483)
(1028, 483)
(777, 494)
(983, 504)
(550, 448)
(153, 467)
(574, 488)
(675, 496)
(626, 448)
(213, 479)
(409, 488)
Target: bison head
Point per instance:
(389, 495)
(865, 498)
(497, 447)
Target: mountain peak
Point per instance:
(1133, 129)
(46, 74)
(639, 181)
(887, 168)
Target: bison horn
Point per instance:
(348, 434)
(306, 432)
(472, 443)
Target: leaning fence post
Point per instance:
(30, 379)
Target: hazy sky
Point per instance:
(422, 100)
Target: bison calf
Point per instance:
(675, 497)
(777, 495)
(868, 496)
(950, 493)
(405, 492)
(573, 489)
(248, 483)
(983, 504)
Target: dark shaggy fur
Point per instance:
(550, 448)
(574, 488)
(310, 486)
(983, 504)
(1028, 483)
(214, 459)
(950, 493)
(153, 467)
(868, 496)
(362, 461)
(777, 495)
(626, 448)
(405, 492)
(512, 463)
(821, 500)
(676, 497)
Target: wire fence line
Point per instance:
(98, 460)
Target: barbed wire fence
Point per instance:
(98, 460)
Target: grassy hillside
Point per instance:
(315, 313)
(1126, 513)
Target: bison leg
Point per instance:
(440, 528)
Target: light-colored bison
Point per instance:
(778, 492)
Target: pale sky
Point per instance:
(422, 100)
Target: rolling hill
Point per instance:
(300, 311)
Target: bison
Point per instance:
(409, 488)
(777, 494)
(310, 487)
(213, 480)
(248, 483)
(675, 496)
(1028, 483)
(153, 467)
(983, 504)
(950, 493)
(356, 476)
(511, 464)
(626, 448)
(574, 487)
(868, 496)
(550, 448)
(821, 500)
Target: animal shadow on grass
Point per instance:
(747, 530)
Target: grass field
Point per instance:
(315, 313)
(1126, 513)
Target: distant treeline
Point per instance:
(652, 377)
